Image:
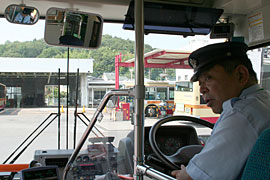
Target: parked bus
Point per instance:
(2, 96)
(39, 142)
(188, 101)
(159, 97)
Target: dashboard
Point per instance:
(171, 138)
(101, 157)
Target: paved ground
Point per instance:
(18, 124)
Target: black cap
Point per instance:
(27, 11)
(204, 58)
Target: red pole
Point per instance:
(117, 71)
(117, 57)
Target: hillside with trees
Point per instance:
(103, 56)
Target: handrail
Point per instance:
(105, 99)
(150, 172)
(56, 114)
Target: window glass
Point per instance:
(33, 94)
(171, 93)
(162, 93)
(264, 76)
(150, 93)
(261, 69)
(184, 86)
(99, 94)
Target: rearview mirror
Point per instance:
(73, 29)
(21, 14)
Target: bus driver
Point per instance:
(230, 87)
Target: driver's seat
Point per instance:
(258, 163)
(125, 154)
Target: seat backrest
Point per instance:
(258, 163)
(125, 154)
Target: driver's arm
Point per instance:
(226, 151)
(181, 174)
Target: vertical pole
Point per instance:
(59, 113)
(75, 112)
(117, 71)
(117, 60)
(92, 97)
(139, 88)
(67, 98)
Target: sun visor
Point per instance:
(174, 19)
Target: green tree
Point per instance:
(104, 60)
(50, 52)
(104, 57)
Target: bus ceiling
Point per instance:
(116, 9)
(250, 17)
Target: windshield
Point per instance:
(47, 101)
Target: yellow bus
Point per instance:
(159, 97)
(188, 101)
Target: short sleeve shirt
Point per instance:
(233, 136)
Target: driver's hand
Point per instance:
(181, 174)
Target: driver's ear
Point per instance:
(242, 74)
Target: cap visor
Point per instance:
(196, 75)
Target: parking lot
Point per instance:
(18, 124)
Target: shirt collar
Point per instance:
(228, 105)
(250, 90)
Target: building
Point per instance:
(31, 82)
(98, 87)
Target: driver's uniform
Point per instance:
(243, 119)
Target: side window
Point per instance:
(150, 93)
(99, 94)
(264, 73)
(184, 86)
(162, 93)
(171, 93)
(260, 59)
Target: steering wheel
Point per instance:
(172, 161)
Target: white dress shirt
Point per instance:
(243, 119)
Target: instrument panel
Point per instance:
(171, 138)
